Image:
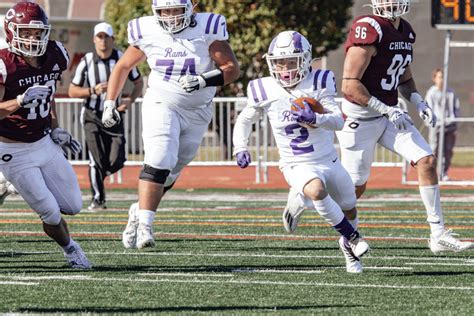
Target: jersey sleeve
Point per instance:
(324, 84)
(81, 73)
(216, 28)
(365, 31)
(134, 31)
(64, 54)
(256, 93)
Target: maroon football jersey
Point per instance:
(394, 54)
(30, 125)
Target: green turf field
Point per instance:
(231, 255)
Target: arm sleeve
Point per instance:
(81, 73)
(243, 127)
(325, 84)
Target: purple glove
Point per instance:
(304, 115)
(243, 159)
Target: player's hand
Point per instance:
(191, 83)
(34, 96)
(426, 114)
(100, 88)
(110, 116)
(304, 115)
(243, 159)
(65, 140)
(399, 118)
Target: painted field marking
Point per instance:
(17, 283)
(248, 282)
(251, 270)
(225, 275)
(465, 264)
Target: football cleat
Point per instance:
(76, 258)
(3, 196)
(145, 236)
(358, 245)
(353, 264)
(447, 242)
(97, 205)
(293, 210)
(129, 235)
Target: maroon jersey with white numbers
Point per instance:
(30, 125)
(394, 54)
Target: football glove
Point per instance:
(304, 115)
(65, 140)
(243, 159)
(34, 96)
(426, 114)
(111, 115)
(191, 83)
(399, 118)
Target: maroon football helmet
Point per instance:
(27, 15)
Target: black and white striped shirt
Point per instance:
(93, 70)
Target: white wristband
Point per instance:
(377, 105)
(416, 98)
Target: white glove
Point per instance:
(34, 96)
(395, 115)
(191, 83)
(426, 114)
(111, 115)
(399, 118)
(65, 140)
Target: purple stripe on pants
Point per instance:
(262, 90)
(216, 24)
(209, 20)
(254, 93)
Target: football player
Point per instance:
(379, 51)
(31, 143)
(189, 57)
(308, 158)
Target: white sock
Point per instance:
(146, 217)
(432, 201)
(354, 222)
(71, 243)
(329, 210)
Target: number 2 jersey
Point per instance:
(296, 144)
(29, 125)
(171, 56)
(394, 55)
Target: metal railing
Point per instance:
(216, 146)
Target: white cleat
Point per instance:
(359, 246)
(447, 242)
(129, 235)
(353, 264)
(293, 210)
(145, 236)
(76, 258)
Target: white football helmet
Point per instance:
(390, 9)
(173, 23)
(289, 48)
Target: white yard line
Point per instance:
(17, 283)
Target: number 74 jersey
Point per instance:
(394, 55)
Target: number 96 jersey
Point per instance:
(171, 56)
(394, 55)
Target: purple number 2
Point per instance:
(304, 134)
(189, 64)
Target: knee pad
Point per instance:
(151, 174)
(51, 217)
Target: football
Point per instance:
(313, 103)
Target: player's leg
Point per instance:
(412, 146)
(98, 163)
(116, 149)
(339, 187)
(357, 140)
(449, 142)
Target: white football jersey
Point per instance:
(171, 56)
(296, 144)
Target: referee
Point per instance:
(106, 146)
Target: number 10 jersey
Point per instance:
(394, 55)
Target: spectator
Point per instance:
(434, 97)
(106, 146)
